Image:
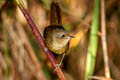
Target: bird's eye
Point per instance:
(63, 35)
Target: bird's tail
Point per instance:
(55, 13)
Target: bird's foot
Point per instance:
(57, 66)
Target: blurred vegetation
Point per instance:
(22, 59)
(92, 49)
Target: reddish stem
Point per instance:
(41, 41)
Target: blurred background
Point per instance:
(21, 58)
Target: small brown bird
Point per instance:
(56, 37)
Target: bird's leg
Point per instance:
(62, 59)
(58, 65)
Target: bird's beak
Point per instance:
(72, 36)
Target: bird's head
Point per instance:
(61, 36)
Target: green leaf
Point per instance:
(93, 42)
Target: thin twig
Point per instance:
(104, 43)
(97, 77)
(13, 74)
(40, 40)
(2, 62)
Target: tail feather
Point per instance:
(55, 14)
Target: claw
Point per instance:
(57, 66)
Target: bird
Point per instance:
(56, 38)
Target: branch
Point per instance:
(104, 42)
(40, 39)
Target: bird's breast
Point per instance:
(59, 48)
(57, 45)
